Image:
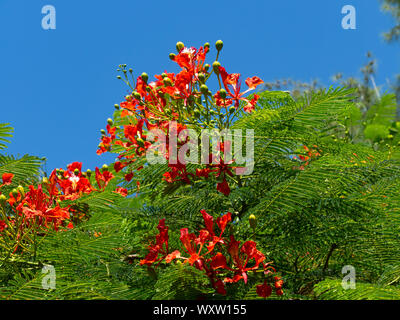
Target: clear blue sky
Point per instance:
(58, 87)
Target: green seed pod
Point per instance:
(222, 93)
(253, 221)
(3, 200)
(204, 89)
(179, 46)
(172, 56)
(145, 77)
(216, 66)
(167, 82)
(137, 95)
(219, 44)
(110, 121)
(201, 77)
(21, 190)
(14, 192)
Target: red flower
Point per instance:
(118, 166)
(219, 261)
(208, 221)
(247, 253)
(159, 247)
(3, 225)
(7, 178)
(75, 165)
(232, 81)
(103, 178)
(221, 222)
(264, 290)
(223, 187)
(122, 191)
(253, 82)
(220, 287)
(129, 176)
(278, 282)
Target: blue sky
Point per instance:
(58, 87)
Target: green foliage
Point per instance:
(182, 282)
(333, 290)
(339, 208)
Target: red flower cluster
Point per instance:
(42, 206)
(312, 154)
(181, 97)
(223, 260)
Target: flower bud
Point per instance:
(222, 93)
(145, 77)
(110, 121)
(206, 67)
(21, 190)
(219, 44)
(3, 200)
(88, 172)
(179, 46)
(216, 66)
(128, 97)
(119, 77)
(207, 45)
(204, 89)
(104, 167)
(136, 95)
(172, 56)
(15, 193)
(232, 109)
(201, 77)
(76, 172)
(116, 106)
(167, 82)
(130, 70)
(103, 132)
(253, 221)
